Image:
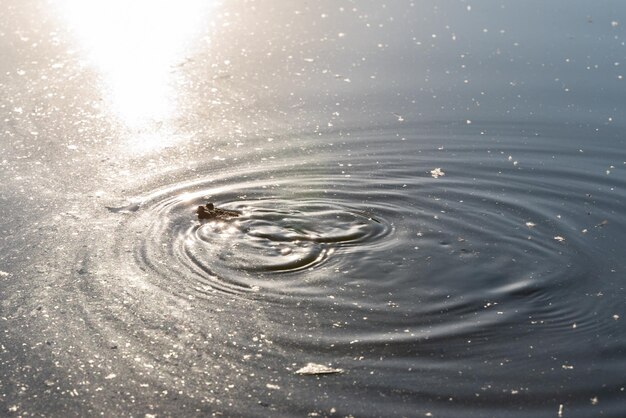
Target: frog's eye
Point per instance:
(210, 206)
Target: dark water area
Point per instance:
(431, 201)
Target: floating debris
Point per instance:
(209, 211)
(132, 207)
(559, 238)
(437, 172)
(530, 224)
(312, 369)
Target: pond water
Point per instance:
(431, 200)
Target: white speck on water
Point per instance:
(110, 376)
(3, 273)
(615, 23)
(560, 412)
(559, 238)
(616, 317)
(530, 224)
(594, 400)
(271, 386)
(437, 172)
(315, 369)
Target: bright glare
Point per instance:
(136, 46)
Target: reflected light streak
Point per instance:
(136, 45)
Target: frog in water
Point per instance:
(209, 211)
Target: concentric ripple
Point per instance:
(387, 229)
(267, 245)
(371, 255)
(286, 238)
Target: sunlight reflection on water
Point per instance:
(136, 47)
(449, 268)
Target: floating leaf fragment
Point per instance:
(437, 172)
(315, 369)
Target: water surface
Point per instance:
(431, 200)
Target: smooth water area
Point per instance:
(430, 200)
